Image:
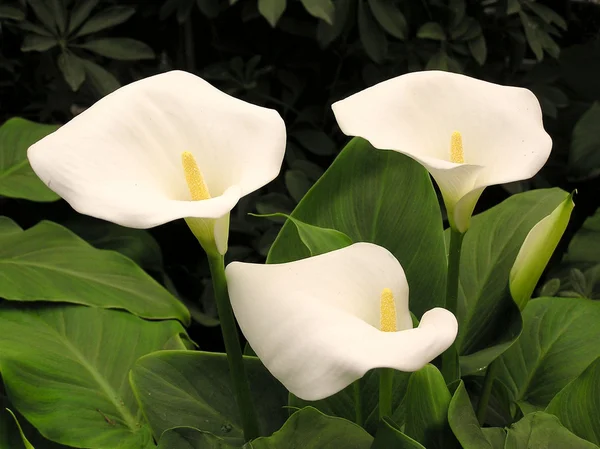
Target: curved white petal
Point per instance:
(415, 114)
(120, 160)
(315, 322)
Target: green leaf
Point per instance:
(310, 429)
(548, 15)
(191, 438)
(59, 12)
(17, 179)
(488, 253)
(107, 18)
(326, 33)
(121, 48)
(381, 197)
(535, 253)
(389, 17)
(317, 239)
(426, 406)
(297, 183)
(33, 28)
(11, 12)
(371, 35)
(431, 30)
(80, 13)
(321, 9)
(532, 33)
(577, 405)
(11, 434)
(438, 61)
(560, 339)
(49, 263)
(543, 431)
(315, 141)
(478, 49)
(584, 154)
(102, 81)
(463, 421)
(189, 388)
(24, 439)
(342, 404)
(584, 248)
(272, 10)
(43, 13)
(65, 369)
(36, 42)
(72, 69)
(388, 436)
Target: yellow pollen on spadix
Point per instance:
(194, 178)
(457, 154)
(387, 308)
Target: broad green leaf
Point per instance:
(310, 429)
(272, 10)
(535, 253)
(487, 316)
(297, 184)
(191, 438)
(426, 406)
(72, 69)
(43, 13)
(318, 240)
(381, 197)
(176, 388)
(478, 49)
(371, 35)
(584, 155)
(36, 42)
(315, 141)
(11, 12)
(560, 338)
(81, 11)
(584, 248)
(577, 406)
(107, 18)
(49, 263)
(137, 244)
(65, 369)
(343, 404)
(121, 48)
(321, 9)
(463, 421)
(389, 17)
(102, 81)
(431, 30)
(388, 436)
(17, 179)
(543, 431)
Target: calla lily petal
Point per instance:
(120, 160)
(416, 114)
(315, 323)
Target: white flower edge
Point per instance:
(416, 114)
(120, 160)
(314, 323)
(536, 251)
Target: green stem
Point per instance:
(486, 392)
(386, 384)
(233, 348)
(450, 363)
(358, 402)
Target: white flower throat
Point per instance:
(193, 176)
(387, 310)
(457, 154)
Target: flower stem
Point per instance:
(486, 392)
(386, 384)
(233, 348)
(450, 365)
(358, 402)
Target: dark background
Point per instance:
(58, 57)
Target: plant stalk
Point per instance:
(486, 392)
(450, 362)
(358, 402)
(233, 348)
(386, 384)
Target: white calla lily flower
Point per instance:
(468, 133)
(166, 147)
(320, 323)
